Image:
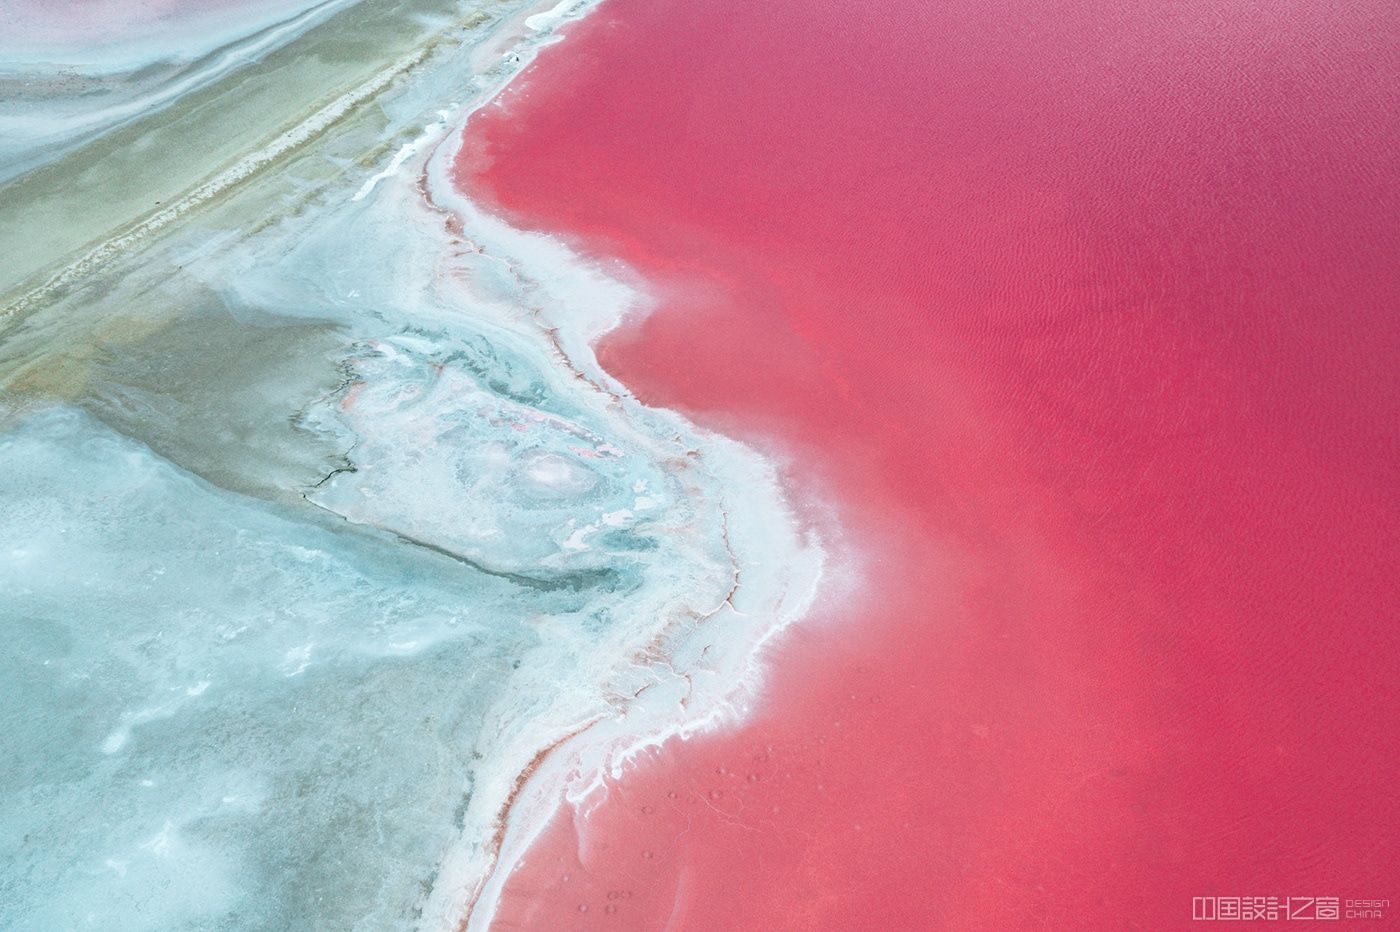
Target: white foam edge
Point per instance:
(717, 668)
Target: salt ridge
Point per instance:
(583, 708)
(713, 670)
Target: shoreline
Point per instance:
(385, 289)
(1133, 613)
(709, 682)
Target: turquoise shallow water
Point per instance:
(224, 710)
(216, 712)
(221, 711)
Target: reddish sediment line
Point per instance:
(497, 841)
(1086, 317)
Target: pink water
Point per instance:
(1084, 316)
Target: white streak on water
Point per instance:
(35, 132)
(432, 133)
(240, 171)
(104, 36)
